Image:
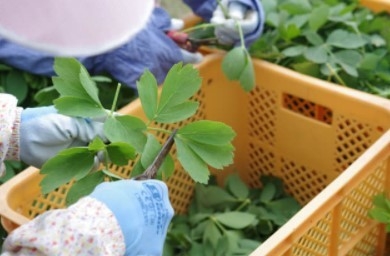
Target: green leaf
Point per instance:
(207, 132)
(46, 96)
(191, 162)
(101, 79)
(316, 54)
(67, 68)
(66, 165)
(234, 63)
(151, 149)
(249, 244)
(178, 113)
(181, 83)
(296, 6)
(381, 201)
(314, 38)
(308, 68)
(318, 17)
(268, 193)
(211, 233)
(137, 169)
(96, 144)
(294, 51)
(73, 106)
(147, 90)
(84, 187)
(16, 85)
(349, 57)
(68, 81)
(265, 227)
(289, 32)
(215, 156)
(236, 186)
(235, 220)
(128, 129)
(380, 215)
(120, 153)
(213, 196)
(344, 39)
(112, 175)
(287, 206)
(89, 86)
(352, 71)
(247, 77)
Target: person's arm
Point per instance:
(86, 228)
(125, 217)
(9, 126)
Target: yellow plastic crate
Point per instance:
(330, 145)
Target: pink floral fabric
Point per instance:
(85, 228)
(9, 129)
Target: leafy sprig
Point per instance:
(199, 144)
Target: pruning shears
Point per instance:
(151, 171)
(184, 41)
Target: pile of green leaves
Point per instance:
(337, 41)
(381, 210)
(199, 144)
(233, 220)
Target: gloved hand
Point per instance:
(44, 132)
(188, 57)
(249, 15)
(143, 211)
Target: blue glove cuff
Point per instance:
(142, 210)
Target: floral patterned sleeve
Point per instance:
(85, 228)
(9, 127)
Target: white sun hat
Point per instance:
(73, 27)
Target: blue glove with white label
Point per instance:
(143, 211)
(249, 14)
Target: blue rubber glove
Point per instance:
(43, 133)
(249, 13)
(245, 13)
(143, 211)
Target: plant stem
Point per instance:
(113, 107)
(105, 159)
(241, 34)
(223, 9)
(334, 73)
(200, 26)
(219, 225)
(243, 204)
(159, 130)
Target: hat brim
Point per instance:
(73, 28)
